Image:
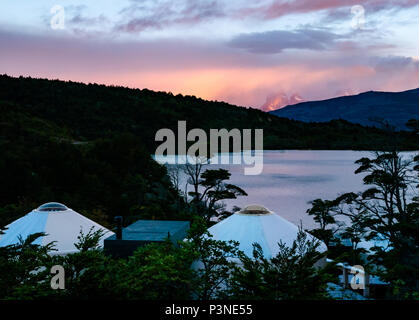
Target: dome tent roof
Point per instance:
(255, 209)
(256, 223)
(61, 224)
(52, 206)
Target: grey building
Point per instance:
(126, 240)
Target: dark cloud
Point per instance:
(280, 8)
(394, 63)
(85, 21)
(276, 41)
(140, 16)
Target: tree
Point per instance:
(389, 210)
(209, 188)
(193, 173)
(413, 124)
(23, 267)
(355, 232)
(153, 272)
(323, 213)
(290, 275)
(214, 261)
(84, 269)
(215, 190)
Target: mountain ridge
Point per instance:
(367, 108)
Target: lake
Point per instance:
(292, 178)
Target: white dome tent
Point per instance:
(61, 224)
(255, 223)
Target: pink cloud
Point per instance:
(210, 70)
(280, 8)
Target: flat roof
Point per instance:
(151, 230)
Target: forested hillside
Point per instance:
(85, 112)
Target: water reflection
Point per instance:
(292, 178)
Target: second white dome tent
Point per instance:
(257, 224)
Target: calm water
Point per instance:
(290, 179)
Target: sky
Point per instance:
(262, 54)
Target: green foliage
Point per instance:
(160, 272)
(322, 212)
(387, 210)
(413, 124)
(207, 202)
(214, 261)
(290, 275)
(157, 271)
(101, 179)
(90, 240)
(199, 268)
(88, 112)
(23, 266)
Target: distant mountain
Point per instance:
(367, 109)
(280, 100)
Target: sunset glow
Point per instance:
(260, 55)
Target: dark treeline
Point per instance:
(85, 112)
